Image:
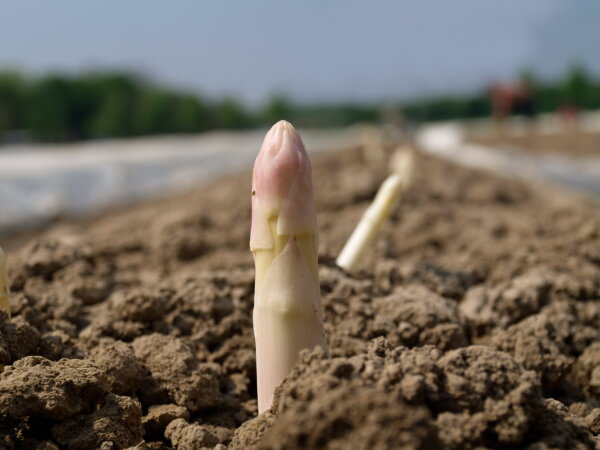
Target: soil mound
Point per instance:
(474, 323)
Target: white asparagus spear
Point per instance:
(4, 301)
(374, 217)
(287, 307)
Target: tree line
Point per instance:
(59, 108)
(576, 89)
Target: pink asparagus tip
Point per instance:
(281, 186)
(281, 159)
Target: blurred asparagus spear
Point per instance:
(4, 302)
(374, 217)
(283, 238)
(373, 148)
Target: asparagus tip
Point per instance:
(281, 187)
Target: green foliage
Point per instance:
(230, 114)
(277, 108)
(98, 105)
(576, 89)
(49, 109)
(107, 105)
(189, 114)
(12, 100)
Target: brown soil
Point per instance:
(567, 143)
(474, 324)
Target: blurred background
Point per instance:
(107, 102)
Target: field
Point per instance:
(473, 324)
(573, 144)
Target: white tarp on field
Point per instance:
(39, 182)
(446, 140)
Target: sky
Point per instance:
(311, 50)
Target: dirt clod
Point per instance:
(116, 424)
(159, 416)
(185, 436)
(173, 365)
(35, 386)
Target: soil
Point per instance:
(571, 143)
(473, 324)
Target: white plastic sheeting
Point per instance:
(39, 182)
(446, 140)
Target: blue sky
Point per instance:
(327, 50)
